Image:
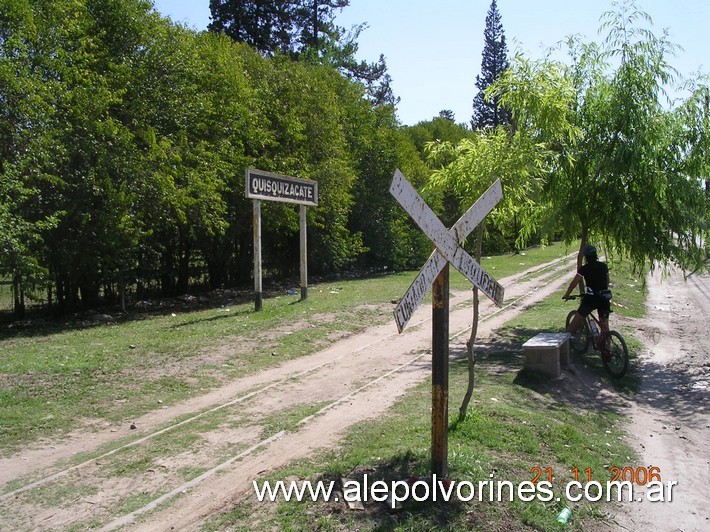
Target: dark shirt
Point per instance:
(596, 276)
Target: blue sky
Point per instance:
(433, 48)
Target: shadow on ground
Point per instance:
(584, 383)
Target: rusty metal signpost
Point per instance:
(262, 185)
(436, 273)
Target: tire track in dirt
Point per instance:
(189, 511)
(669, 419)
(378, 356)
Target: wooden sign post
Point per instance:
(262, 185)
(436, 273)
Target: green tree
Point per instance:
(448, 114)
(125, 139)
(306, 30)
(267, 25)
(487, 110)
(630, 172)
(594, 153)
(22, 150)
(270, 26)
(20, 240)
(71, 141)
(521, 161)
(315, 19)
(443, 130)
(199, 128)
(391, 238)
(309, 140)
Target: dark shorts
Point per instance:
(590, 303)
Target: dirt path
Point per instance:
(393, 363)
(670, 421)
(210, 448)
(228, 436)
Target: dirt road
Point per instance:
(356, 378)
(226, 438)
(670, 421)
(390, 363)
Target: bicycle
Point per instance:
(611, 345)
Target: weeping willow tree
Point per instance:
(631, 176)
(595, 151)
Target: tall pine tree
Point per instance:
(288, 26)
(267, 25)
(315, 19)
(494, 63)
(304, 29)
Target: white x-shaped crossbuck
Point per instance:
(447, 243)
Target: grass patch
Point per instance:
(500, 266)
(60, 377)
(515, 426)
(519, 425)
(288, 418)
(61, 495)
(136, 502)
(137, 460)
(189, 473)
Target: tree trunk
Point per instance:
(315, 23)
(580, 257)
(471, 342)
(167, 275)
(19, 296)
(183, 280)
(244, 260)
(122, 290)
(89, 293)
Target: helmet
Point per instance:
(589, 251)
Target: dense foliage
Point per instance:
(305, 30)
(276, 25)
(594, 152)
(125, 140)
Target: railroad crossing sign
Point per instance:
(448, 245)
(448, 250)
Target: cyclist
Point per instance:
(597, 293)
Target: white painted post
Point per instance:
(257, 255)
(304, 254)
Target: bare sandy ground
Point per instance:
(670, 422)
(355, 379)
(391, 364)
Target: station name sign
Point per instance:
(274, 187)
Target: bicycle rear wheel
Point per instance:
(616, 358)
(579, 341)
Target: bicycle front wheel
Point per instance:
(579, 341)
(615, 355)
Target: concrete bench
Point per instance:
(547, 353)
